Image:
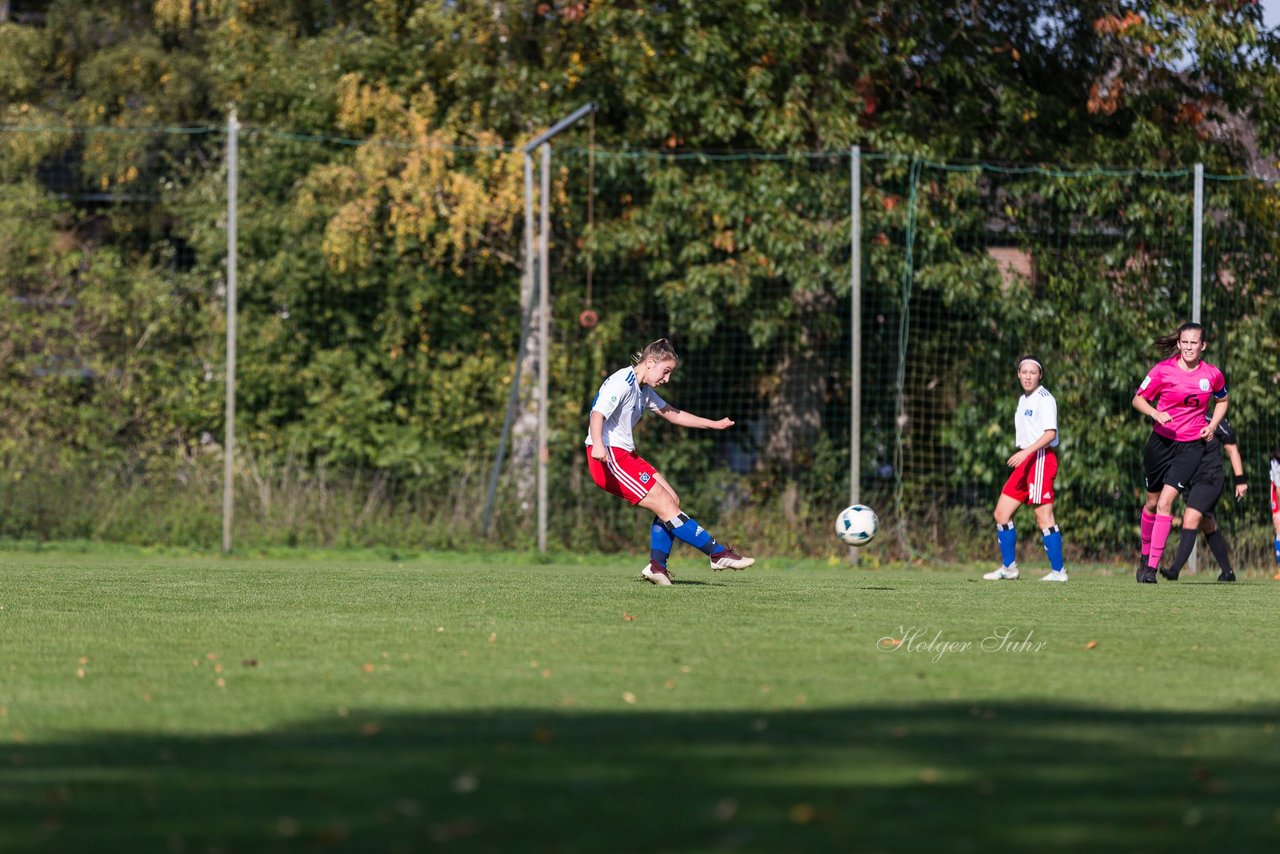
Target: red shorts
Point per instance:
(1275, 500)
(1032, 482)
(622, 473)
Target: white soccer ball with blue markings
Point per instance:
(857, 525)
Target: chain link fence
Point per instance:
(381, 313)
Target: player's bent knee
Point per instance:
(661, 503)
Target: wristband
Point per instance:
(1241, 479)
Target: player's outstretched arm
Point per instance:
(687, 419)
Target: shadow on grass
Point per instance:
(944, 777)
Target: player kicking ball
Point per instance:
(617, 469)
(1031, 482)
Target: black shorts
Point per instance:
(1209, 480)
(1168, 462)
(1203, 494)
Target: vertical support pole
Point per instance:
(1197, 263)
(536, 282)
(527, 291)
(855, 330)
(229, 439)
(1197, 243)
(544, 337)
(901, 422)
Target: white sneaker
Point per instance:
(655, 574)
(1055, 575)
(730, 559)
(1004, 573)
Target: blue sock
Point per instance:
(688, 530)
(1053, 547)
(1008, 539)
(1277, 551)
(660, 543)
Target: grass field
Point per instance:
(349, 702)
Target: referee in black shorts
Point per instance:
(1202, 497)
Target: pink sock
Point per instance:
(1159, 536)
(1148, 522)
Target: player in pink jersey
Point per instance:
(1176, 396)
(619, 470)
(1275, 505)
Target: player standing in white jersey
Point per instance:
(1175, 396)
(1034, 467)
(617, 469)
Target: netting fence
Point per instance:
(381, 313)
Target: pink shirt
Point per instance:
(1185, 395)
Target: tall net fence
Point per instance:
(109, 331)
(382, 308)
(1082, 269)
(745, 264)
(1241, 283)
(380, 317)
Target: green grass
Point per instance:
(324, 702)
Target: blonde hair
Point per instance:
(661, 350)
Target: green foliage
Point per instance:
(102, 357)
(26, 52)
(379, 282)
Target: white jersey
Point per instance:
(1037, 412)
(1275, 473)
(622, 400)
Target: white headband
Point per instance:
(1032, 361)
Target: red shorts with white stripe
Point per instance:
(1275, 500)
(622, 473)
(1032, 482)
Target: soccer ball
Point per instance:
(857, 525)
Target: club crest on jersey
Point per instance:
(644, 478)
(1204, 385)
(1028, 412)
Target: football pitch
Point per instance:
(499, 703)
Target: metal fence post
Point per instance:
(1197, 243)
(1197, 259)
(536, 269)
(544, 338)
(229, 441)
(855, 330)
